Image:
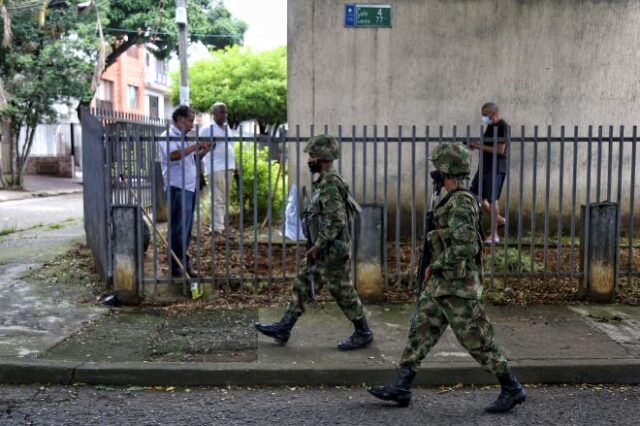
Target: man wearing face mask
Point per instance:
(453, 286)
(327, 218)
(492, 185)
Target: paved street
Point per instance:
(27, 213)
(36, 316)
(84, 405)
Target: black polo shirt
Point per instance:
(500, 128)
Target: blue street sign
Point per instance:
(349, 15)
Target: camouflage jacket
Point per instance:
(328, 214)
(455, 243)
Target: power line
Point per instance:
(26, 5)
(125, 31)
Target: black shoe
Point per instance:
(399, 391)
(361, 338)
(281, 330)
(512, 394)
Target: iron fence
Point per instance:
(551, 173)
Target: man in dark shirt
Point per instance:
(495, 141)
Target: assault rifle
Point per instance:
(425, 256)
(306, 217)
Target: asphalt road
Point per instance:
(24, 214)
(87, 405)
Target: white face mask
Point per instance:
(486, 120)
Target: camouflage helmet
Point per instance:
(452, 159)
(323, 147)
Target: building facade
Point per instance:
(136, 83)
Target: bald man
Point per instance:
(219, 165)
(492, 185)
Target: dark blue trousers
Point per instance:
(180, 226)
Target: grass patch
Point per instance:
(8, 231)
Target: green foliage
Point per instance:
(131, 22)
(512, 264)
(253, 85)
(43, 65)
(259, 172)
(48, 61)
(53, 51)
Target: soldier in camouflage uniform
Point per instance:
(453, 284)
(327, 216)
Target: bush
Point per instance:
(259, 172)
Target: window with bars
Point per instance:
(154, 107)
(132, 92)
(104, 95)
(161, 71)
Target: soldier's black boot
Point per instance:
(399, 391)
(360, 338)
(512, 394)
(280, 330)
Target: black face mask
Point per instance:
(438, 179)
(314, 167)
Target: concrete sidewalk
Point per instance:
(42, 186)
(546, 344)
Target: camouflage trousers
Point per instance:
(469, 323)
(336, 275)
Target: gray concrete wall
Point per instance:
(545, 62)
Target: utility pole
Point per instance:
(181, 21)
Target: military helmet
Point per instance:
(452, 159)
(323, 147)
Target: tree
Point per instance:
(133, 22)
(49, 51)
(152, 22)
(44, 63)
(252, 85)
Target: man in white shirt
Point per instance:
(180, 177)
(219, 165)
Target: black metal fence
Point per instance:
(551, 174)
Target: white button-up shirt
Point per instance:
(219, 162)
(190, 170)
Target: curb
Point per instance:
(30, 195)
(594, 371)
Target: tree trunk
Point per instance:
(26, 149)
(13, 142)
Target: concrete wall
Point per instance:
(61, 166)
(545, 62)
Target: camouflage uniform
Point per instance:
(452, 294)
(327, 217)
(329, 227)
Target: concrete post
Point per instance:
(369, 242)
(124, 239)
(598, 240)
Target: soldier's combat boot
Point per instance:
(360, 338)
(399, 391)
(512, 394)
(280, 330)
